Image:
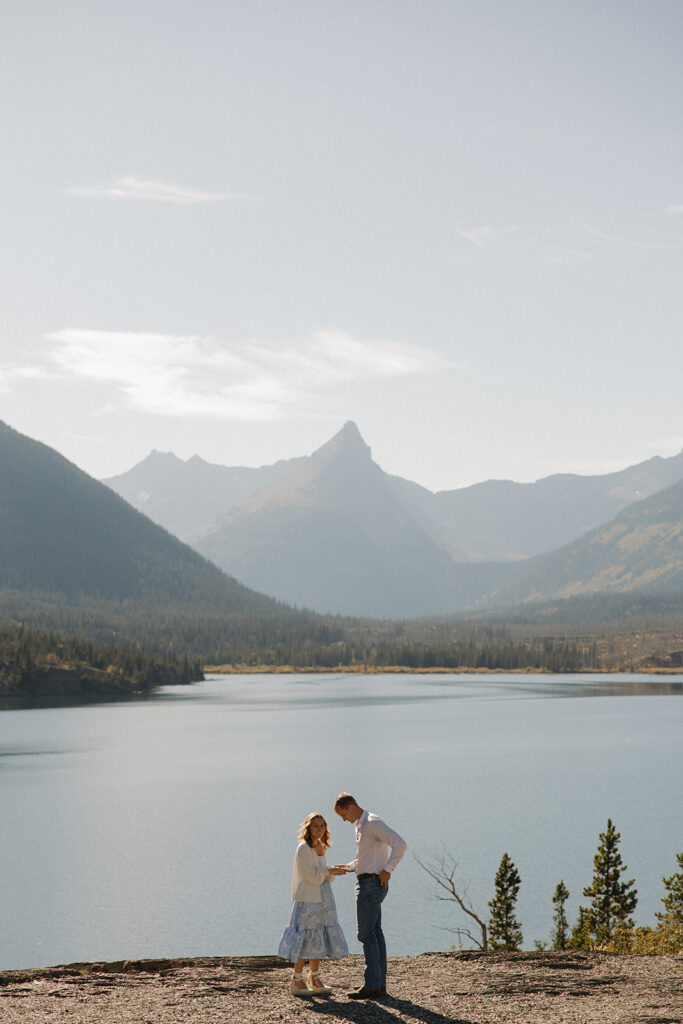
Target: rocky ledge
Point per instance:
(434, 988)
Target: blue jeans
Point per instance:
(369, 897)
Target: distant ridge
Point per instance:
(187, 497)
(500, 520)
(640, 550)
(497, 520)
(332, 532)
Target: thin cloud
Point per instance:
(333, 357)
(130, 187)
(511, 240)
(487, 236)
(625, 243)
(674, 211)
(10, 374)
(193, 376)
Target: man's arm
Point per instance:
(393, 840)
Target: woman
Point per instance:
(313, 932)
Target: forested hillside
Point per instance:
(633, 635)
(640, 551)
(36, 663)
(63, 532)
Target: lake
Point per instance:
(167, 826)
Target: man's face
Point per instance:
(346, 813)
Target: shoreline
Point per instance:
(469, 987)
(377, 670)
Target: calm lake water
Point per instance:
(167, 827)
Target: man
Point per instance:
(378, 851)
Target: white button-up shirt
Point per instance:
(378, 847)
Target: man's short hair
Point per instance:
(345, 800)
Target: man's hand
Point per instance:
(384, 877)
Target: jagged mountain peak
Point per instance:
(342, 466)
(347, 443)
(156, 465)
(350, 431)
(156, 456)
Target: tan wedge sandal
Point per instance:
(298, 987)
(316, 984)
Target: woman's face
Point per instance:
(317, 829)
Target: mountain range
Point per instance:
(641, 550)
(334, 533)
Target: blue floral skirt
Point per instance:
(314, 932)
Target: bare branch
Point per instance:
(443, 873)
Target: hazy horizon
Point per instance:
(287, 456)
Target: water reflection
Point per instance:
(266, 691)
(24, 703)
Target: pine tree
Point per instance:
(581, 933)
(612, 901)
(673, 901)
(559, 936)
(505, 931)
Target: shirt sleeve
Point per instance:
(381, 831)
(311, 868)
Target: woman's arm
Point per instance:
(309, 866)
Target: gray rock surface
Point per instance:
(434, 988)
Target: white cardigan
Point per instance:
(310, 871)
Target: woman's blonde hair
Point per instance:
(305, 830)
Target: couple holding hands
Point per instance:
(314, 932)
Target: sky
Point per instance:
(230, 226)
